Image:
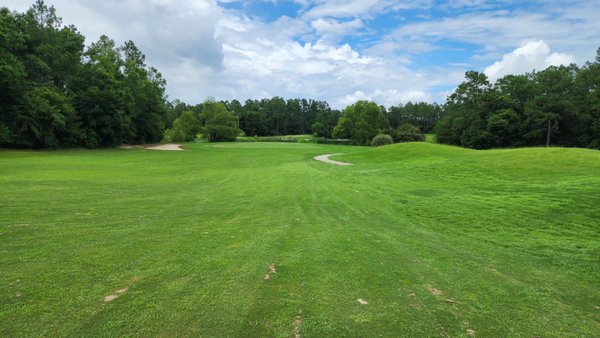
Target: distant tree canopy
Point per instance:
(218, 124)
(54, 94)
(361, 122)
(423, 115)
(276, 116)
(556, 106)
(185, 128)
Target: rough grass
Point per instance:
(438, 240)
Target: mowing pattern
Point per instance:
(258, 239)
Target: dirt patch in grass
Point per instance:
(168, 146)
(110, 298)
(435, 291)
(115, 295)
(272, 270)
(325, 158)
(297, 324)
(471, 332)
(17, 225)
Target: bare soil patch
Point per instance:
(297, 324)
(325, 158)
(110, 298)
(435, 291)
(115, 295)
(272, 270)
(17, 225)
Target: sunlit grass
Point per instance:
(438, 240)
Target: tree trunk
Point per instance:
(548, 134)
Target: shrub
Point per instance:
(381, 140)
(184, 128)
(407, 133)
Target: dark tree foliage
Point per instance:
(361, 122)
(53, 94)
(406, 132)
(276, 116)
(556, 106)
(185, 128)
(422, 114)
(218, 123)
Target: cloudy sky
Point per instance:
(339, 51)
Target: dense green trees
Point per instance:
(273, 116)
(185, 128)
(218, 123)
(423, 115)
(276, 116)
(407, 132)
(555, 106)
(37, 58)
(361, 122)
(55, 94)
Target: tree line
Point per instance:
(56, 93)
(276, 116)
(268, 116)
(558, 106)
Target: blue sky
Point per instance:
(339, 51)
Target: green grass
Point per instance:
(283, 138)
(512, 237)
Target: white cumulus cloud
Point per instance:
(534, 55)
(387, 97)
(336, 28)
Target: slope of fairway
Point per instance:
(259, 239)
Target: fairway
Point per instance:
(260, 240)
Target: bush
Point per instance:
(184, 128)
(381, 140)
(407, 133)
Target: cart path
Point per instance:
(325, 158)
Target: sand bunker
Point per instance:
(325, 158)
(168, 146)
